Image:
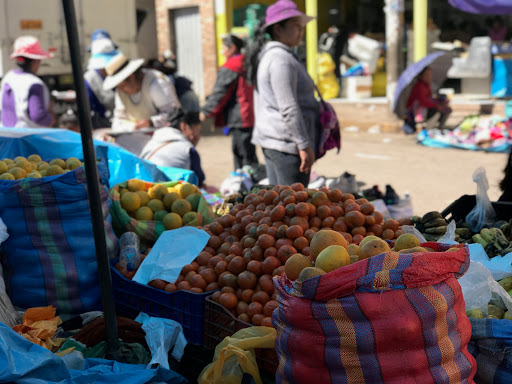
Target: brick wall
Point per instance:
(209, 48)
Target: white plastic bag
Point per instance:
(500, 266)
(449, 236)
(413, 231)
(402, 209)
(483, 214)
(479, 288)
(3, 232)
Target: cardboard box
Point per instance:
(357, 87)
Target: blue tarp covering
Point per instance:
(23, 362)
(52, 143)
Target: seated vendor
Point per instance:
(174, 146)
(422, 105)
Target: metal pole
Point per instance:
(93, 187)
(420, 16)
(312, 39)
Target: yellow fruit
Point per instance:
(34, 175)
(295, 265)
(8, 161)
(6, 176)
(367, 239)
(33, 166)
(332, 257)
(61, 163)
(413, 250)
(187, 189)
(309, 272)
(157, 191)
(453, 250)
(155, 205)
(181, 206)
(53, 170)
(475, 314)
(135, 185)
(372, 248)
(194, 200)
(159, 215)
(34, 158)
(17, 158)
(144, 213)
(323, 239)
(144, 197)
(73, 163)
(18, 173)
(172, 221)
(406, 241)
(189, 217)
(130, 201)
(3, 167)
(42, 165)
(170, 198)
(43, 173)
(172, 189)
(24, 164)
(353, 249)
(507, 316)
(178, 187)
(11, 165)
(122, 191)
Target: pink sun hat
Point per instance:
(29, 47)
(282, 10)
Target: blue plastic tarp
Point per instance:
(50, 143)
(23, 362)
(427, 141)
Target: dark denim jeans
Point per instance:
(283, 168)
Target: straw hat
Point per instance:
(118, 69)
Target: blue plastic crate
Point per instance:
(185, 307)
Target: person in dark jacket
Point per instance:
(231, 103)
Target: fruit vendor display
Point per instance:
(149, 209)
(34, 167)
(251, 244)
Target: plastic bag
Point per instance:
(449, 236)
(483, 214)
(161, 336)
(500, 266)
(3, 232)
(479, 288)
(402, 209)
(412, 230)
(235, 355)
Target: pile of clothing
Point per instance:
(492, 134)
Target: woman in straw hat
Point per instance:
(25, 97)
(285, 108)
(144, 97)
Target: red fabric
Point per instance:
(421, 96)
(244, 94)
(393, 318)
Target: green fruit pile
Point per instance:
(34, 167)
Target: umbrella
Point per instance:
(489, 7)
(93, 187)
(439, 62)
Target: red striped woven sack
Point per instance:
(392, 318)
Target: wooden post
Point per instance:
(393, 10)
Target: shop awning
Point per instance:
(488, 7)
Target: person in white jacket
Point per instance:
(144, 97)
(174, 146)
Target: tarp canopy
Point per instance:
(486, 7)
(52, 143)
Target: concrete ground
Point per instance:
(433, 177)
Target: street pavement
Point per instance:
(433, 177)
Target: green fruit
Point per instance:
(73, 163)
(54, 170)
(61, 163)
(495, 311)
(34, 175)
(159, 215)
(475, 314)
(194, 199)
(507, 315)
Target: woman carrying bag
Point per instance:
(286, 110)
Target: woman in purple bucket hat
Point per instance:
(286, 110)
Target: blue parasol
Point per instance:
(439, 62)
(489, 7)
